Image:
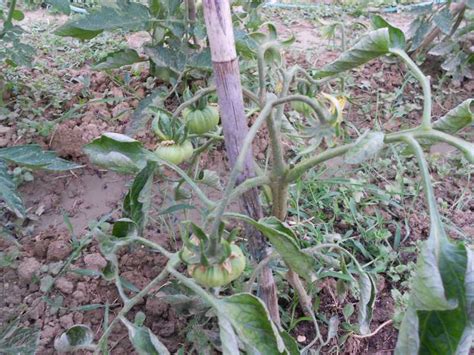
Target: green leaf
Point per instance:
(367, 300)
(290, 343)
(251, 321)
(16, 339)
(440, 314)
(143, 340)
(118, 59)
(32, 156)
(419, 28)
(18, 15)
(69, 30)
(371, 46)
(397, 38)
(366, 147)
(125, 15)
(140, 117)
(8, 192)
(138, 199)
(456, 119)
(60, 5)
(444, 20)
(75, 338)
(176, 208)
(124, 228)
(284, 241)
(170, 58)
(228, 337)
(117, 152)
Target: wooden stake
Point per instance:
(231, 104)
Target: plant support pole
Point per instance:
(225, 63)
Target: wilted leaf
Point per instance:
(283, 239)
(168, 58)
(456, 119)
(366, 146)
(75, 338)
(143, 340)
(418, 31)
(372, 45)
(333, 327)
(118, 59)
(367, 300)
(228, 337)
(16, 339)
(125, 16)
(60, 5)
(8, 192)
(440, 314)
(140, 117)
(210, 178)
(444, 20)
(31, 155)
(138, 199)
(117, 152)
(251, 320)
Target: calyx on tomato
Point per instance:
(169, 128)
(222, 267)
(216, 275)
(174, 153)
(201, 120)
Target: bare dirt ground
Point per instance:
(89, 193)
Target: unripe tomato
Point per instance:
(302, 108)
(209, 276)
(175, 153)
(237, 262)
(220, 274)
(200, 121)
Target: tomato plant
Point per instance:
(439, 315)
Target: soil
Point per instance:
(87, 194)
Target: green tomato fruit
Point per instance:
(201, 121)
(220, 274)
(302, 108)
(175, 153)
(237, 262)
(209, 276)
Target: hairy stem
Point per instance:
(302, 167)
(135, 300)
(425, 85)
(426, 179)
(202, 196)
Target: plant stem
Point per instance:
(426, 178)
(189, 283)
(238, 165)
(302, 167)
(156, 246)
(425, 85)
(202, 196)
(248, 185)
(11, 10)
(136, 299)
(321, 111)
(197, 96)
